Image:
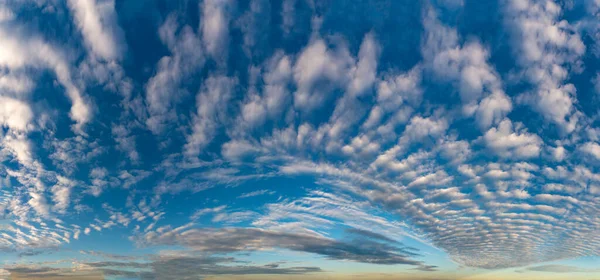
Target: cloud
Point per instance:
(287, 14)
(557, 268)
(61, 193)
(39, 204)
(481, 147)
(163, 89)
(24, 272)
(126, 142)
(592, 149)
(215, 27)
(479, 86)
(165, 266)
(370, 234)
(417, 131)
(271, 102)
(68, 153)
(20, 52)
(545, 46)
(6, 14)
(366, 68)
(211, 106)
(428, 268)
(256, 193)
(17, 116)
(228, 240)
(256, 23)
(16, 85)
(95, 21)
(317, 71)
(506, 142)
(183, 267)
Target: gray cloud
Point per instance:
(229, 240)
(557, 268)
(192, 267)
(428, 268)
(370, 234)
(161, 267)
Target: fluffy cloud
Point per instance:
(546, 46)
(94, 20)
(211, 106)
(479, 86)
(215, 27)
(15, 85)
(592, 149)
(62, 194)
(15, 114)
(39, 204)
(163, 90)
(319, 70)
(507, 140)
(20, 147)
(32, 52)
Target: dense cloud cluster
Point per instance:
(482, 147)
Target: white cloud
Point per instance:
(15, 85)
(215, 27)
(125, 141)
(95, 21)
(546, 46)
(365, 72)
(416, 132)
(253, 111)
(592, 149)
(493, 108)
(6, 14)
(403, 88)
(480, 87)
(512, 142)
(287, 15)
(277, 78)
(15, 114)
(163, 89)
(39, 204)
(348, 110)
(420, 127)
(20, 147)
(270, 103)
(396, 95)
(236, 150)
(211, 105)
(318, 70)
(32, 52)
(558, 153)
(361, 145)
(455, 151)
(61, 194)
(67, 154)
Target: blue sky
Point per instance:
(299, 139)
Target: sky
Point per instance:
(299, 139)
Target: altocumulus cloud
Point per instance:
(209, 132)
